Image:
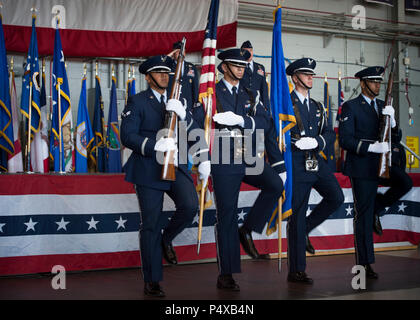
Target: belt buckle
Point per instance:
(311, 165)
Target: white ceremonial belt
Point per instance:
(225, 133)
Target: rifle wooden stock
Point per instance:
(385, 129)
(171, 119)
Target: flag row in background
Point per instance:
(87, 147)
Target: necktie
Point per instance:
(162, 105)
(235, 96)
(373, 105)
(305, 103)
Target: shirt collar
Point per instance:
(251, 65)
(230, 86)
(302, 97)
(158, 95)
(368, 100)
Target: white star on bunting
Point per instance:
(92, 224)
(402, 207)
(241, 215)
(62, 224)
(30, 225)
(121, 223)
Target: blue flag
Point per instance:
(113, 148)
(329, 154)
(282, 110)
(84, 133)
(131, 88)
(31, 88)
(6, 123)
(61, 114)
(98, 148)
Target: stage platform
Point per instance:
(399, 278)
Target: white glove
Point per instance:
(165, 145)
(177, 107)
(378, 147)
(306, 143)
(204, 171)
(283, 177)
(389, 111)
(229, 119)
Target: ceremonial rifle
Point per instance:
(385, 128)
(171, 118)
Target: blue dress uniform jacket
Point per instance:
(256, 81)
(143, 117)
(251, 122)
(358, 128)
(323, 181)
(311, 122)
(227, 178)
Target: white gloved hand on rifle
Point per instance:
(378, 147)
(306, 143)
(389, 111)
(165, 145)
(229, 119)
(176, 106)
(204, 172)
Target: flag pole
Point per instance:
(43, 81)
(96, 137)
(59, 126)
(280, 204)
(28, 144)
(203, 187)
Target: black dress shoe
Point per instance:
(300, 277)
(245, 238)
(226, 282)
(309, 247)
(370, 274)
(153, 289)
(264, 256)
(377, 227)
(169, 253)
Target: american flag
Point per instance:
(207, 87)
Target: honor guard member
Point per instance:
(309, 137)
(189, 77)
(142, 118)
(358, 135)
(254, 76)
(399, 181)
(275, 157)
(236, 116)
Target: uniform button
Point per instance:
(310, 128)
